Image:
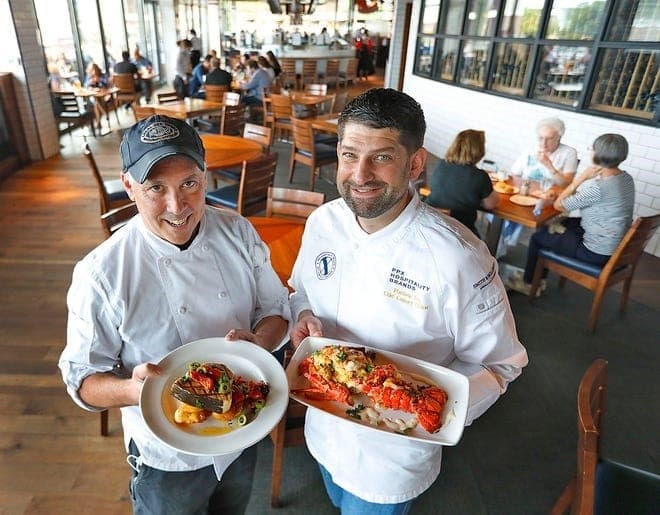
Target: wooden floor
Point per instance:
(53, 460)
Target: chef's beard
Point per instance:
(372, 208)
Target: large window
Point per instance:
(600, 56)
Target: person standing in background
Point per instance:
(196, 49)
(183, 68)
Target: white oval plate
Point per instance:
(243, 358)
(523, 200)
(456, 385)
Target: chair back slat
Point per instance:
(260, 134)
(215, 92)
(303, 136)
(633, 243)
(115, 219)
(281, 106)
(292, 203)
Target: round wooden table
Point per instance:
(226, 151)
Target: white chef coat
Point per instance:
(137, 297)
(423, 286)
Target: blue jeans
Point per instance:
(349, 504)
(568, 244)
(197, 492)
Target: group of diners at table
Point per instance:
(582, 215)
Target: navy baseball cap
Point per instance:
(155, 138)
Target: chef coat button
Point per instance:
(182, 310)
(481, 306)
(222, 294)
(205, 247)
(168, 262)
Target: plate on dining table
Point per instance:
(213, 437)
(506, 189)
(523, 200)
(414, 370)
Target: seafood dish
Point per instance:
(345, 373)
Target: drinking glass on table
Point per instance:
(546, 184)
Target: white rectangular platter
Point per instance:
(456, 385)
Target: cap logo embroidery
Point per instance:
(159, 131)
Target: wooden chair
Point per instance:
(309, 71)
(111, 192)
(316, 89)
(71, 115)
(117, 218)
(341, 99)
(232, 120)
(127, 93)
(331, 76)
(620, 267)
(289, 432)
(281, 109)
(251, 131)
(289, 76)
(260, 134)
(167, 96)
(350, 74)
(142, 112)
(231, 98)
(249, 195)
(292, 203)
(215, 92)
(306, 151)
(601, 486)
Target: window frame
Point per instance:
(596, 47)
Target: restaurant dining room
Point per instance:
(576, 432)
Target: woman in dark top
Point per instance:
(458, 185)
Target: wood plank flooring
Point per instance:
(52, 457)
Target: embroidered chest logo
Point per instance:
(326, 264)
(406, 290)
(159, 131)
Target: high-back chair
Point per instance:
(232, 120)
(71, 114)
(306, 151)
(231, 98)
(260, 134)
(167, 96)
(350, 74)
(331, 75)
(292, 203)
(620, 267)
(341, 99)
(127, 93)
(249, 195)
(602, 486)
(309, 71)
(215, 92)
(281, 109)
(111, 192)
(289, 75)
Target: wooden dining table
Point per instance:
(223, 151)
(283, 237)
(524, 215)
(326, 123)
(188, 108)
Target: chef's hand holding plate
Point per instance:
(307, 325)
(140, 373)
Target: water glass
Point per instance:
(546, 184)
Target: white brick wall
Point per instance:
(510, 128)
